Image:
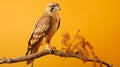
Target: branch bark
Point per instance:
(46, 52)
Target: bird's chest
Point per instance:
(54, 24)
(51, 32)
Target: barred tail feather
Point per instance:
(32, 50)
(29, 61)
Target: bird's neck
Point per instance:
(49, 13)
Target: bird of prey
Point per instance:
(45, 28)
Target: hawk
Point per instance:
(45, 28)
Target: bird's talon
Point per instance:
(50, 50)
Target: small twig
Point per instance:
(46, 52)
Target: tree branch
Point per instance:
(46, 52)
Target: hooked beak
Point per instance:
(58, 8)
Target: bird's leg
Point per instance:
(49, 47)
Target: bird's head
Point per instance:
(52, 7)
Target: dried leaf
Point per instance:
(78, 52)
(66, 38)
(66, 35)
(89, 45)
(79, 47)
(85, 52)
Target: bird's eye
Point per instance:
(53, 5)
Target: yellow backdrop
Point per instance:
(98, 20)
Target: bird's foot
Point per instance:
(49, 48)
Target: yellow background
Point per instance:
(98, 20)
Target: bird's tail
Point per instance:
(32, 50)
(27, 53)
(30, 62)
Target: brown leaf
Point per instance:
(89, 45)
(79, 46)
(66, 35)
(85, 52)
(66, 38)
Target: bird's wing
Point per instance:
(41, 29)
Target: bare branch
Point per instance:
(46, 52)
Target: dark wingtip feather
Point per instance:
(27, 52)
